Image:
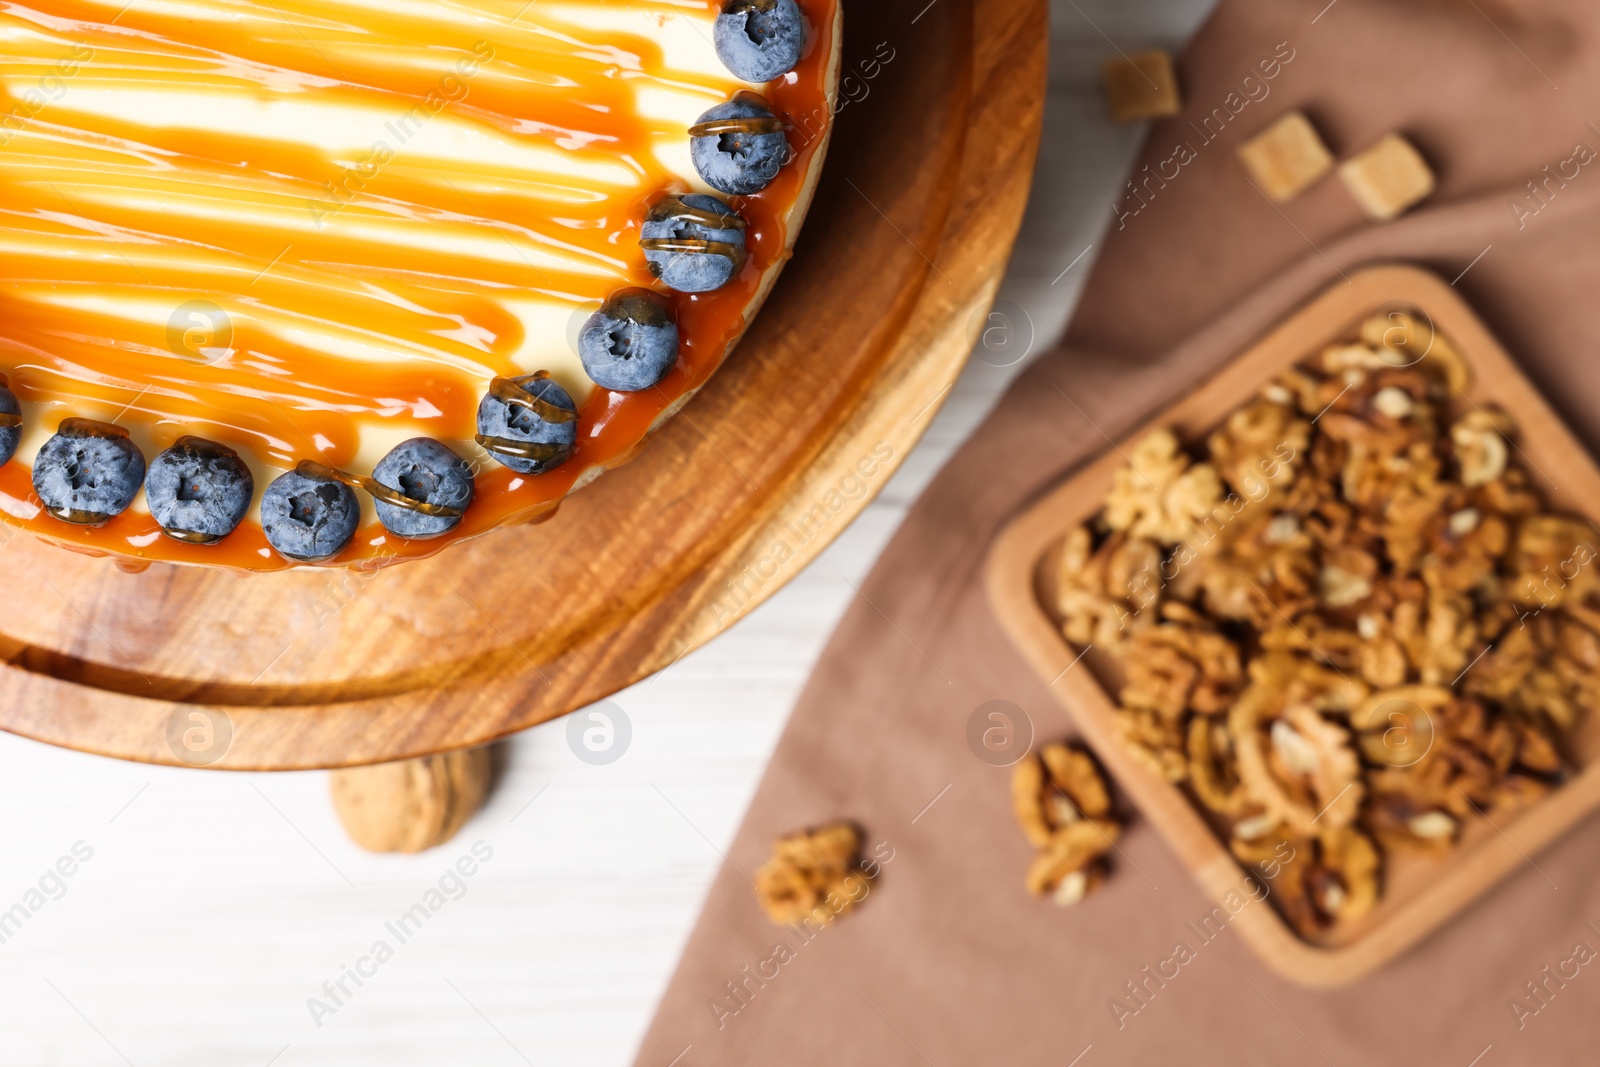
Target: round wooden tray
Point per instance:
(937, 126)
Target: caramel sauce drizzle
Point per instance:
(753, 124)
(692, 245)
(80, 427)
(171, 163)
(530, 450)
(678, 211)
(310, 468)
(200, 445)
(514, 393)
(8, 421)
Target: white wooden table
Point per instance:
(212, 907)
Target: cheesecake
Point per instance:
(297, 282)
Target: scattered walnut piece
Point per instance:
(1348, 624)
(1345, 886)
(1404, 822)
(1141, 86)
(1518, 791)
(1537, 748)
(1293, 679)
(1263, 572)
(1480, 448)
(813, 874)
(1317, 880)
(1070, 849)
(1294, 764)
(1214, 770)
(1552, 559)
(1259, 449)
(1155, 741)
(1104, 595)
(1074, 772)
(1286, 157)
(1341, 359)
(1388, 177)
(1400, 340)
(1287, 861)
(1028, 802)
(1395, 726)
(1079, 883)
(1063, 806)
(1175, 667)
(1159, 496)
(1340, 587)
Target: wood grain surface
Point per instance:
(1420, 893)
(918, 207)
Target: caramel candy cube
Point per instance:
(1286, 157)
(1141, 86)
(1388, 177)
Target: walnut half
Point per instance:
(813, 875)
(1062, 804)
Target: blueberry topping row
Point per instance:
(199, 491)
(420, 490)
(693, 242)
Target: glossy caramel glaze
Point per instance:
(309, 229)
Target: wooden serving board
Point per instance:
(936, 130)
(1420, 893)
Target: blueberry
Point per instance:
(631, 342)
(11, 412)
(424, 470)
(504, 422)
(307, 518)
(709, 236)
(88, 473)
(198, 490)
(760, 39)
(739, 160)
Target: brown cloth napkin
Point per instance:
(948, 962)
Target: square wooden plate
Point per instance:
(1419, 892)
